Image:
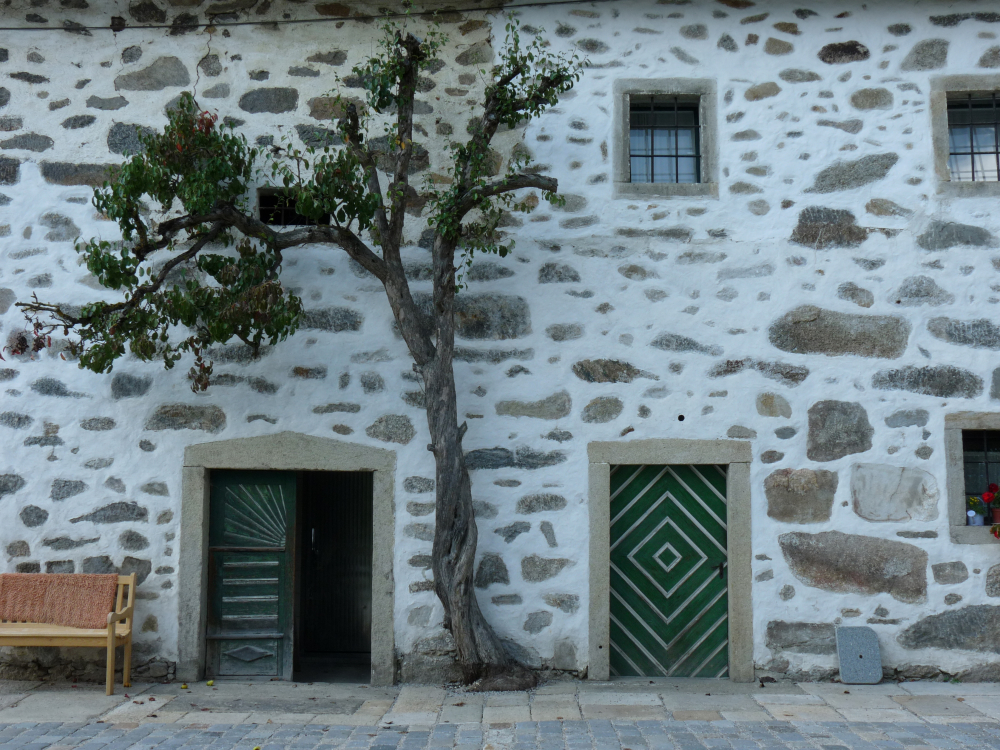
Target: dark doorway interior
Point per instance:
(333, 638)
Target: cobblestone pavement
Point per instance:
(598, 734)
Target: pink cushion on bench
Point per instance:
(74, 600)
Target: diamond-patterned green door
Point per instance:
(669, 601)
(250, 541)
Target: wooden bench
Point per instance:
(118, 633)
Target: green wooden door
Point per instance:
(669, 601)
(251, 534)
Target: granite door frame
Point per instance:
(736, 455)
(283, 451)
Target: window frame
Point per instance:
(954, 424)
(706, 91)
(941, 88)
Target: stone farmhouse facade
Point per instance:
(802, 305)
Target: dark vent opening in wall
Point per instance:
(278, 209)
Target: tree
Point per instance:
(212, 273)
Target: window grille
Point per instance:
(974, 138)
(278, 209)
(664, 140)
(981, 449)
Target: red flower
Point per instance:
(988, 497)
(994, 487)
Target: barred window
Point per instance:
(974, 137)
(276, 208)
(664, 142)
(981, 453)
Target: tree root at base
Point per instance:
(499, 679)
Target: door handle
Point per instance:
(722, 566)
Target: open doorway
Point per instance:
(333, 619)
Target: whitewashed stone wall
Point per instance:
(811, 308)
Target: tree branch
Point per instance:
(505, 185)
(410, 49)
(355, 142)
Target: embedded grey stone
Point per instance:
(556, 406)
(950, 599)
(510, 532)
(419, 509)
(992, 580)
(565, 331)
(32, 516)
(272, 100)
(78, 121)
(493, 356)
(119, 512)
(557, 273)
(28, 567)
(893, 493)
(771, 457)
(19, 548)
(483, 509)
(480, 53)
(853, 293)
(794, 75)
(422, 531)
(392, 428)
(115, 484)
(334, 57)
(837, 429)
(695, 31)
(164, 72)
(62, 227)
(502, 458)
(7, 298)
(568, 603)
(337, 408)
(943, 381)
(146, 446)
(608, 371)
(492, 569)
(990, 58)
(942, 235)
(868, 99)
(801, 637)
(602, 409)
(124, 385)
(885, 207)
(98, 463)
(672, 342)
(15, 421)
(319, 138)
(62, 173)
(800, 496)
(820, 227)
(929, 54)
(949, 573)
(53, 387)
(787, 592)
(486, 271)
(502, 599)
(65, 488)
(145, 11)
(123, 138)
(109, 104)
(334, 319)
(843, 52)
(210, 66)
(848, 126)
(592, 46)
(535, 569)
(851, 563)
(790, 375)
(60, 566)
(746, 272)
(907, 418)
(10, 170)
(101, 564)
(849, 175)
(549, 532)
(131, 54)
(187, 417)
(155, 488)
(635, 272)
(777, 47)
(972, 628)
(418, 485)
(540, 503)
(372, 382)
(141, 568)
(486, 316)
(740, 432)
(536, 622)
(811, 330)
(727, 43)
(132, 541)
(98, 424)
(922, 290)
(762, 91)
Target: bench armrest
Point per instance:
(120, 616)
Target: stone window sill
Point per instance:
(666, 190)
(969, 189)
(972, 535)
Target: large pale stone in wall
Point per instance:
(812, 330)
(820, 227)
(800, 496)
(867, 99)
(773, 405)
(930, 54)
(921, 290)
(893, 493)
(801, 637)
(975, 628)
(837, 429)
(942, 235)
(950, 573)
(843, 52)
(849, 175)
(854, 564)
(609, 371)
(119, 512)
(672, 342)
(10, 483)
(187, 417)
(272, 100)
(790, 375)
(981, 334)
(943, 381)
(392, 428)
(602, 409)
(556, 406)
(486, 316)
(163, 73)
(492, 569)
(503, 458)
(535, 569)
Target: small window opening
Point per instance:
(974, 137)
(277, 208)
(664, 140)
(981, 449)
